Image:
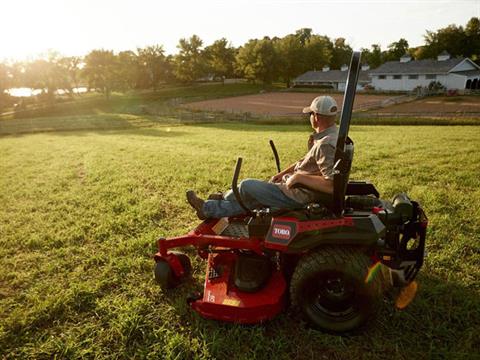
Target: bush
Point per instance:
(436, 86)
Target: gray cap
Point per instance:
(323, 105)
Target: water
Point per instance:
(27, 92)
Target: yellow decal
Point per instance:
(231, 302)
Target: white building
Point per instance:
(407, 74)
(331, 79)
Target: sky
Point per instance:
(74, 27)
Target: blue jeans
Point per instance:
(254, 193)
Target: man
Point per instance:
(308, 180)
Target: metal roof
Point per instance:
(331, 76)
(467, 73)
(426, 66)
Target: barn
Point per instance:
(408, 74)
(331, 79)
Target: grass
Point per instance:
(81, 211)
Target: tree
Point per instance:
(451, 38)
(341, 53)
(291, 56)
(257, 60)
(4, 83)
(220, 58)
(374, 57)
(45, 74)
(170, 69)
(396, 50)
(472, 32)
(100, 70)
(189, 63)
(303, 35)
(151, 62)
(69, 71)
(127, 70)
(318, 52)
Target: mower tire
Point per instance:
(164, 274)
(330, 290)
(185, 261)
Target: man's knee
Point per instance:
(248, 186)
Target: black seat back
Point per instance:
(340, 179)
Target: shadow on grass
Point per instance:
(75, 126)
(442, 322)
(149, 132)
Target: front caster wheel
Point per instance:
(164, 275)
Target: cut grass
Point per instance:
(81, 211)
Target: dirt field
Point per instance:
(288, 104)
(437, 105)
(278, 103)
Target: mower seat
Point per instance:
(336, 202)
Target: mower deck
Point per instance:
(222, 300)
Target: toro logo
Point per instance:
(281, 232)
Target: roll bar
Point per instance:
(341, 157)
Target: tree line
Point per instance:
(263, 60)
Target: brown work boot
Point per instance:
(216, 196)
(196, 203)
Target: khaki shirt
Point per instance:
(319, 160)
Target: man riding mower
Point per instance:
(331, 259)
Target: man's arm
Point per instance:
(278, 177)
(314, 182)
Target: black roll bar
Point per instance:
(341, 170)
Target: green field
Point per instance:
(80, 212)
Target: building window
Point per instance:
(382, 77)
(430, 76)
(397, 77)
(413, 77)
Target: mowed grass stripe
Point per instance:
(81, 211)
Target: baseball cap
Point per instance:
(323, 105)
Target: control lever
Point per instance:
(275, 154)
(235, 186)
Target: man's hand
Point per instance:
(277, 178)
(313, 182)
(292, 180)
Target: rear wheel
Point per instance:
(329, 288)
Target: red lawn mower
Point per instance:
(331, 262)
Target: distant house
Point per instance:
(333, 79)
(407, 74)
